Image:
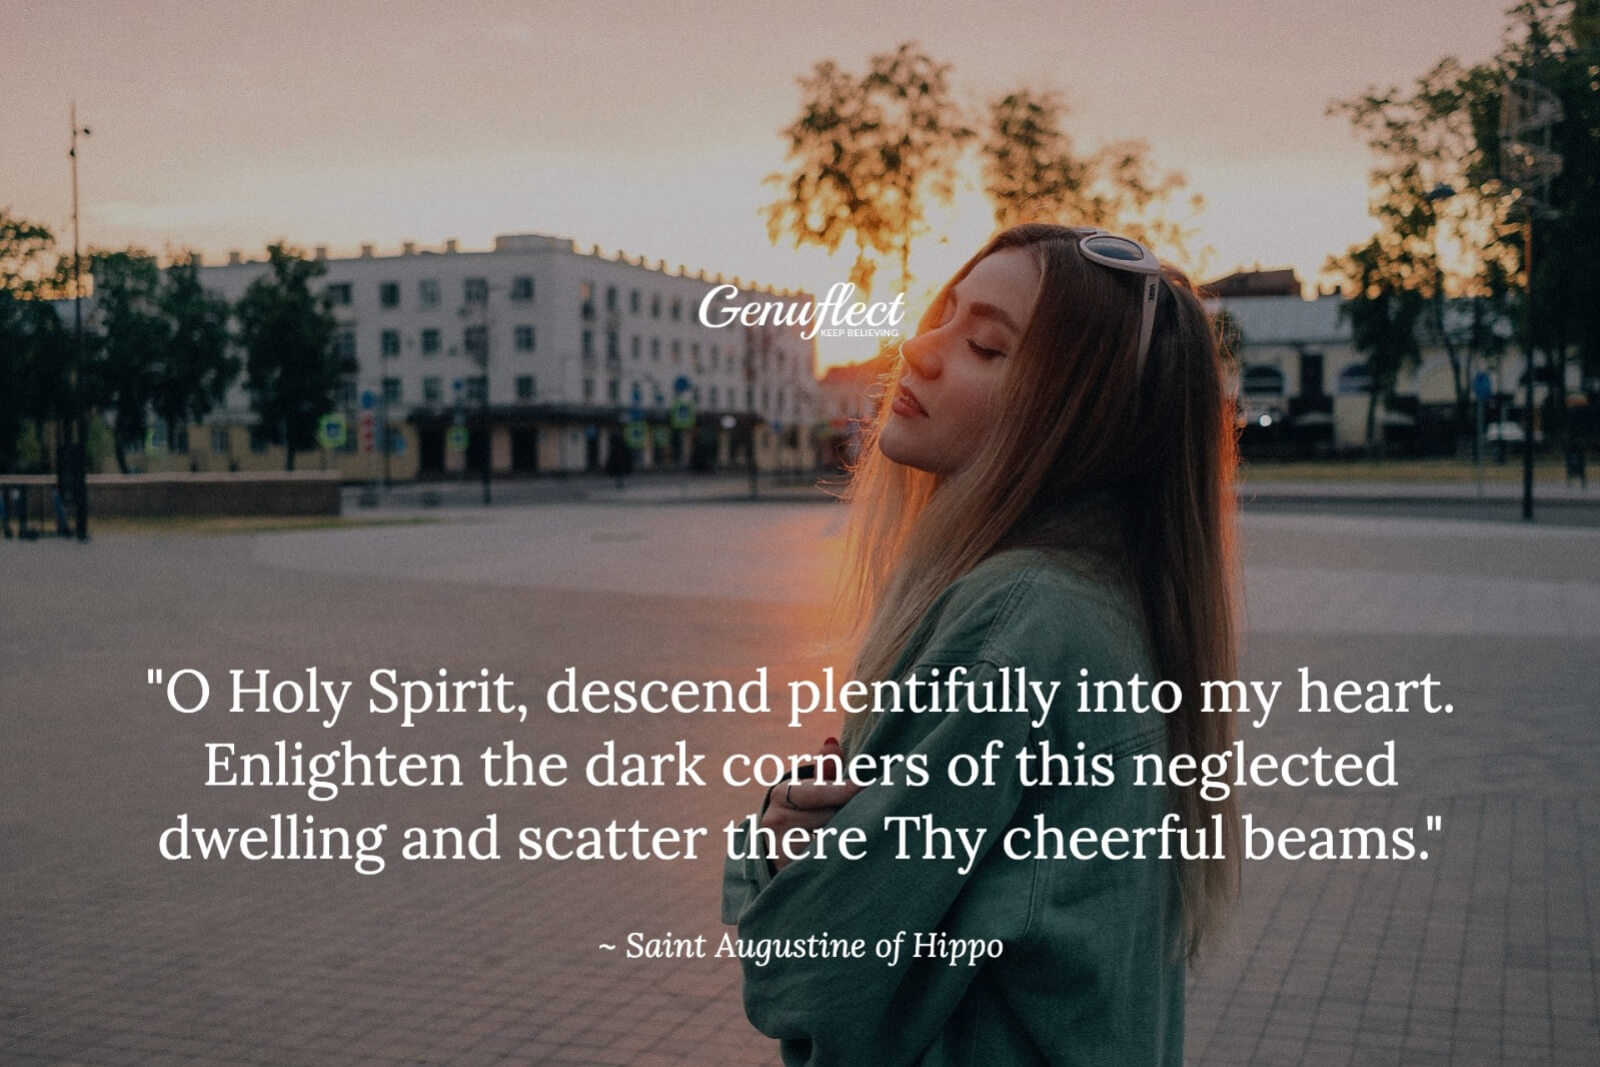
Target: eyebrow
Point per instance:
(987, 311)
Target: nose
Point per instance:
(921, 353)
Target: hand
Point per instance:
(800, 802)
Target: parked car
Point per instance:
(1508, 432)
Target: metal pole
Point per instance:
(1527, 415)
(76, 431)
(483, 407)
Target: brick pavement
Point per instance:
(1484, 953)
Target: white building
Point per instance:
(1303, 383)
(573, 348)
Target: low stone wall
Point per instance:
(254, 493)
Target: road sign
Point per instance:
(682, 384)
(1482, 387)
(682, 414)
(331, 431)
(369, 431)
(635, 434)
(369, 400)
(455, 438)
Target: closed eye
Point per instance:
(986, 353)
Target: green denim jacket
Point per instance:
(1089, 970)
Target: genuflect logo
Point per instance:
(835, 315)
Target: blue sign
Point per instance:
(682, 384)
(368, 400)
(1482, 387)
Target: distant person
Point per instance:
(619, 458)
(1048, 489)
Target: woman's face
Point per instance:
(944, 402)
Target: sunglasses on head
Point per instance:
(1124, 253)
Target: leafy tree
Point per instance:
(1428, 193)
(869, 154)
(163, 346)
(134, 338)
(1445, 129)
(1032, 173)
(35, 348)
(1383, 305)
(1556, 43)
(292, 371)
(197, 368)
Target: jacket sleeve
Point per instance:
(869, 1009)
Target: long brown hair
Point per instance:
(1082, 425)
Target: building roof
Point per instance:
(1286, 320)
(1276, 282)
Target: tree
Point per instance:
(292, 371)
(35, 349)
(1446, 130)
(1031, 173)
(163, 346)
(1383, 304)
(1428, 192)
(197, 368)
(134, 338)
(1556, 44)
(869, 153)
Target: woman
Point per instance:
(1049, 491)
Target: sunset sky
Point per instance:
(649, 126)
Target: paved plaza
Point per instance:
(1486, 952)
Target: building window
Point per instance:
(526, 389)
(389, 294)
(219, 441)
(614, 391)
(588, 344)
(428, 292)
(339, 294)
(677, 354)
(588, 389)
(389, 343)
(613, 345)
(677, 309)
(475, 290)
(713, 396)
(586, 295)
(611, 298)
(1355, 380)
(523, 338)
(344, 346)
(432, 390)
(655, 305)
(635, 346)
(391, 390)
(476, 389)
(522, 287)
(475, 341)
(633, 301)
(347, 394)
(1262, 380)
(655, 349)
(716, 358)
(430, 342)
(258, 440)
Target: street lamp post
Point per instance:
(77, 432)
(1528, 111)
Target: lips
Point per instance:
(906, 403)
